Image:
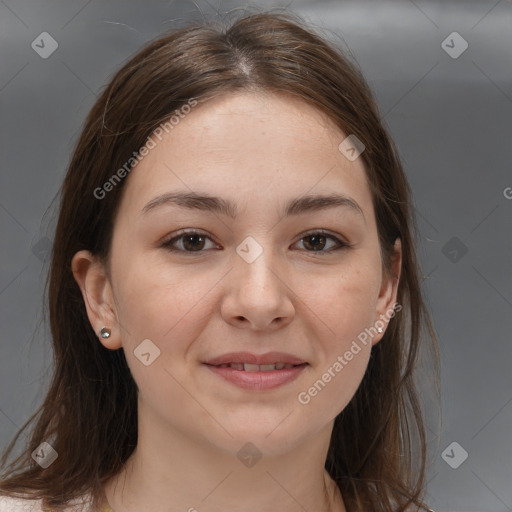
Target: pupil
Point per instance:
(188, 239)
(317, 245)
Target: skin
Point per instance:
(258, 150)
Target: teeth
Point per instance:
(255, 367)
(251, 367)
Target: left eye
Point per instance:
(318, 242)
(193, 241)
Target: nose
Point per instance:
(257, 295)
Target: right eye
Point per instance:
(191, 241)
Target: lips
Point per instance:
(256, 377)
(263, 372)
(256, 367)
(254, 362)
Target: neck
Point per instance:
(173, 472)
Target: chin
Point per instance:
(270, 437)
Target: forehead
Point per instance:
(248, 146)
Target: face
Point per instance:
(276, 271)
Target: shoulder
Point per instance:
(11, 504)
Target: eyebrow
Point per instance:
(297, 206)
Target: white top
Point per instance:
(9, 504)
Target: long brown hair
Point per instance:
(377, 454)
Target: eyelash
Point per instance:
(168, 244)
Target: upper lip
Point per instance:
(247, 357)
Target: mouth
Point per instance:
(248, 367)
(248, 361)
(257, 372)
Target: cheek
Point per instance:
(333, 386)
(169, 310)
(348, 309)
(167, 305)
(347, 303)
(155, 295)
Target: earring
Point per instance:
(105, 332)
(379, 329)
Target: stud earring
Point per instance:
(379, 329)
(105, 333)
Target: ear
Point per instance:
(96, 289)
(388, 292)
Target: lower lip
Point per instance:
(258, 380)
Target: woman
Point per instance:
(234, 294)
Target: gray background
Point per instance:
(450, 117)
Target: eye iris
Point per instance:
(188, 238)
(316, 246)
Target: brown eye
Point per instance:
(190, 241)
(317, 242)
(193, 242)
(196, 242)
